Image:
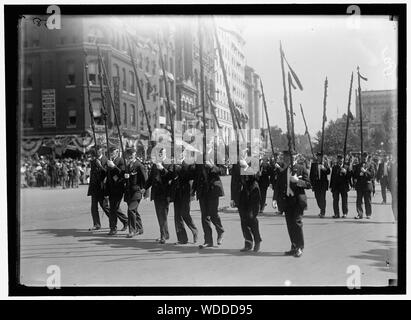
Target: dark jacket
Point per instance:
(115, 178)
(364, 180)
(264, 177)
(319, 182)
(135, 182)
(380, 171)
(207, 182)
(245, 189)
(299, 198)
(340, 181)
(96, 185)
(160, 182)
(182, 180)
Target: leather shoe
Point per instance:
(181, 242)
(336, 217)
(220, 238)
(124, 227)
(358, 217)
(290, 252)
(131, 235)
(298, 253)
(257, 246)
(112, 232)
(246, 248)
(205, 245)
(94, 228)
(162, 241)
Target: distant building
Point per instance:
(54, 99)
(254, 100)
(375, 104)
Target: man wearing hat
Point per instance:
(363, 174)
(208, 187)
(319, 180)
(115, 189)
(245, 195)
(159, 180)
(340, 184)
(183, 175)
(136, 177)
(290, 195)
(96, 186)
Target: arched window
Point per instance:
(132, 87)
(92, 72)
(133, 115)
(125, 114)
(97, 115)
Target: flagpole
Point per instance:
(324, 118)
(112, 103)
(140, 91)
(103, 99)
(90, 107)
(291, 109)
(286, 108)
(360, 105)
(306, 130)
(227, 87)
(348, 116)
(266, 115)
(167, 96)
(202, 100)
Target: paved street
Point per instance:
(54, 231)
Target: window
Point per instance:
(162, 110)
(133, 115)
(161, 88)
(92, 72)
(125, 114)
(149, 90)
(140, 61)
(124, 80)
(171, 90)
(28, 121)
(97, 114)
(147, 64)
(28, 78)
(71, 77)
(132, 87)
(72, 118)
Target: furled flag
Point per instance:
(292, 72)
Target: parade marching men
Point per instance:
(363, 175)
(290, 196)
(136, 177)
(183, 176)
(340, 184)
(115, 188)
(159, 180)
(245, 195)
(96, 186)
(319, 181)
(274, 171)
(209, 188)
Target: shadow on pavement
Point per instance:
(154, 250)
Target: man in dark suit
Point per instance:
(264, 181)
(319, 181)
(245, 195)
(136, 177)
(115, 188)
(274, 171)
(183, 175)
(363, 174)
(340, 184)
(290, 195)
(208, 187)
(382, 177)
(159, 180)
(96, 186)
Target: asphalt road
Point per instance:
(54, 232)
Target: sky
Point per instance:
(318, 47)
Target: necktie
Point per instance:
(289, 191)
(319, 172)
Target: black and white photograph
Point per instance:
(206, 149)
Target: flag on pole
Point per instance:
(292, 72)
(362, 77)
